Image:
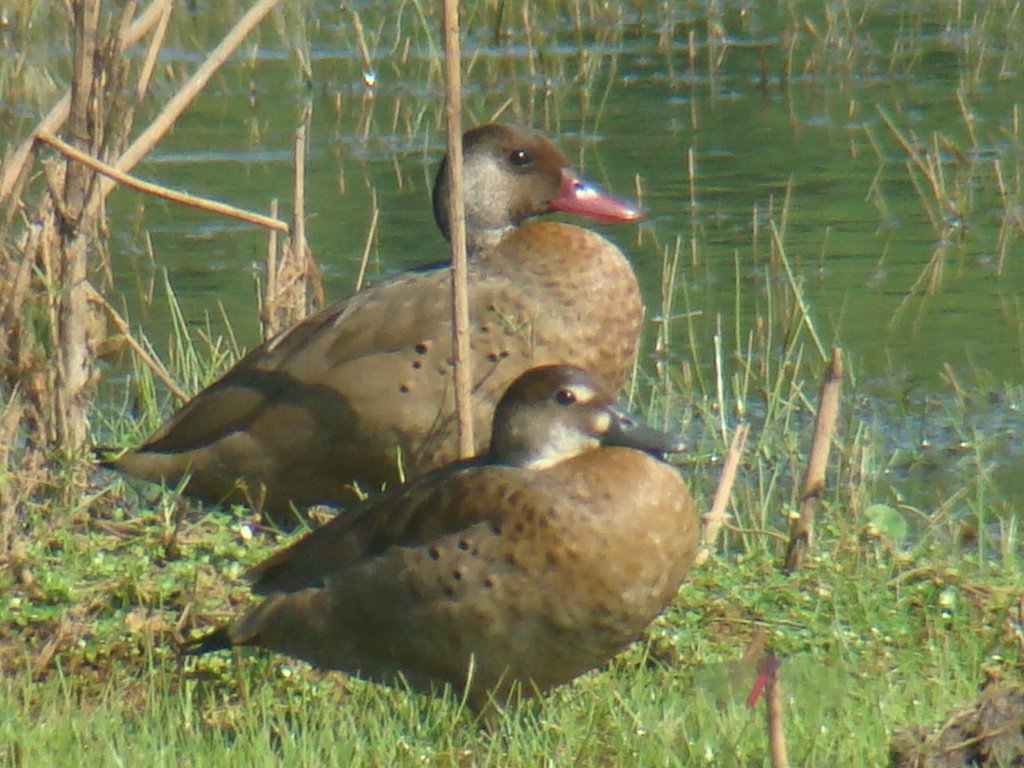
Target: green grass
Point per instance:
(870, 641)
(889, 625)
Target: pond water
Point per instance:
(882, 142)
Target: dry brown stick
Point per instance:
(68, 242)
(313, 289)
(270, 290)
(371, 236)
(241, 678)
(457, 218)
(299, 209)
(716, 516)
(294, 287)
(49, 649)
(155, 44)
(128, 9)
(125, 330)
(766, 682)
(755, 648)
(801, 532)
(496, 114)
(180, 101)
(776, 729)
(364, 51)
(15, 163)
(157, 190)
(10, 421)
(17, 282)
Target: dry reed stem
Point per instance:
(778, 237)
(357, 29)
(53, 395)
(16, 282)
(457, 217)
(716, 517)
(929, 170)
(16, 163)
(157, 190)
(270, 290)
(950, 376)
(802, 529)
(313, 287)
(371, 237)
(776, 726)
(52, 645)
(10, 420)
(755, 648)
(181, 100)
(294, 288)
(298, 239)
(66, 240)
(152, 52)
(766, 682)
(125, 330)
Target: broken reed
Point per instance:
(45, 305)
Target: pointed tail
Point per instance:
(217, 640)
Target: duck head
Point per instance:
(555, 412)
(512, 174)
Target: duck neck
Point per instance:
(480, 241)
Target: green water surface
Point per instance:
(814, 119)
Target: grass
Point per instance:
(881, 630)
(909, 604)
(871, 639)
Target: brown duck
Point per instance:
(364, 387)
(529, 565)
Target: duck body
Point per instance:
(498, 580)
(362, 391)
(364, 387)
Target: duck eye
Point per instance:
(565, 397)
(520, 157)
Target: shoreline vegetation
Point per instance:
(885, 612)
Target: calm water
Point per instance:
(622, 96)
(857, 231)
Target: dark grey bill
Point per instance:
(628, 431)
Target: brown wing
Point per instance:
(439, 503)
(307, 362)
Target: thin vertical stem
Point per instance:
(270, 288)
(74, 364)
(371, 237)
(813, 484)
(457, 231)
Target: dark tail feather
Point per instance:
(217, 640)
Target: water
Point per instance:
(858, 233)
(785, 115)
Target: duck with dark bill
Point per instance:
(529, 565)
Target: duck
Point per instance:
(360, 395)
(498, 577)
